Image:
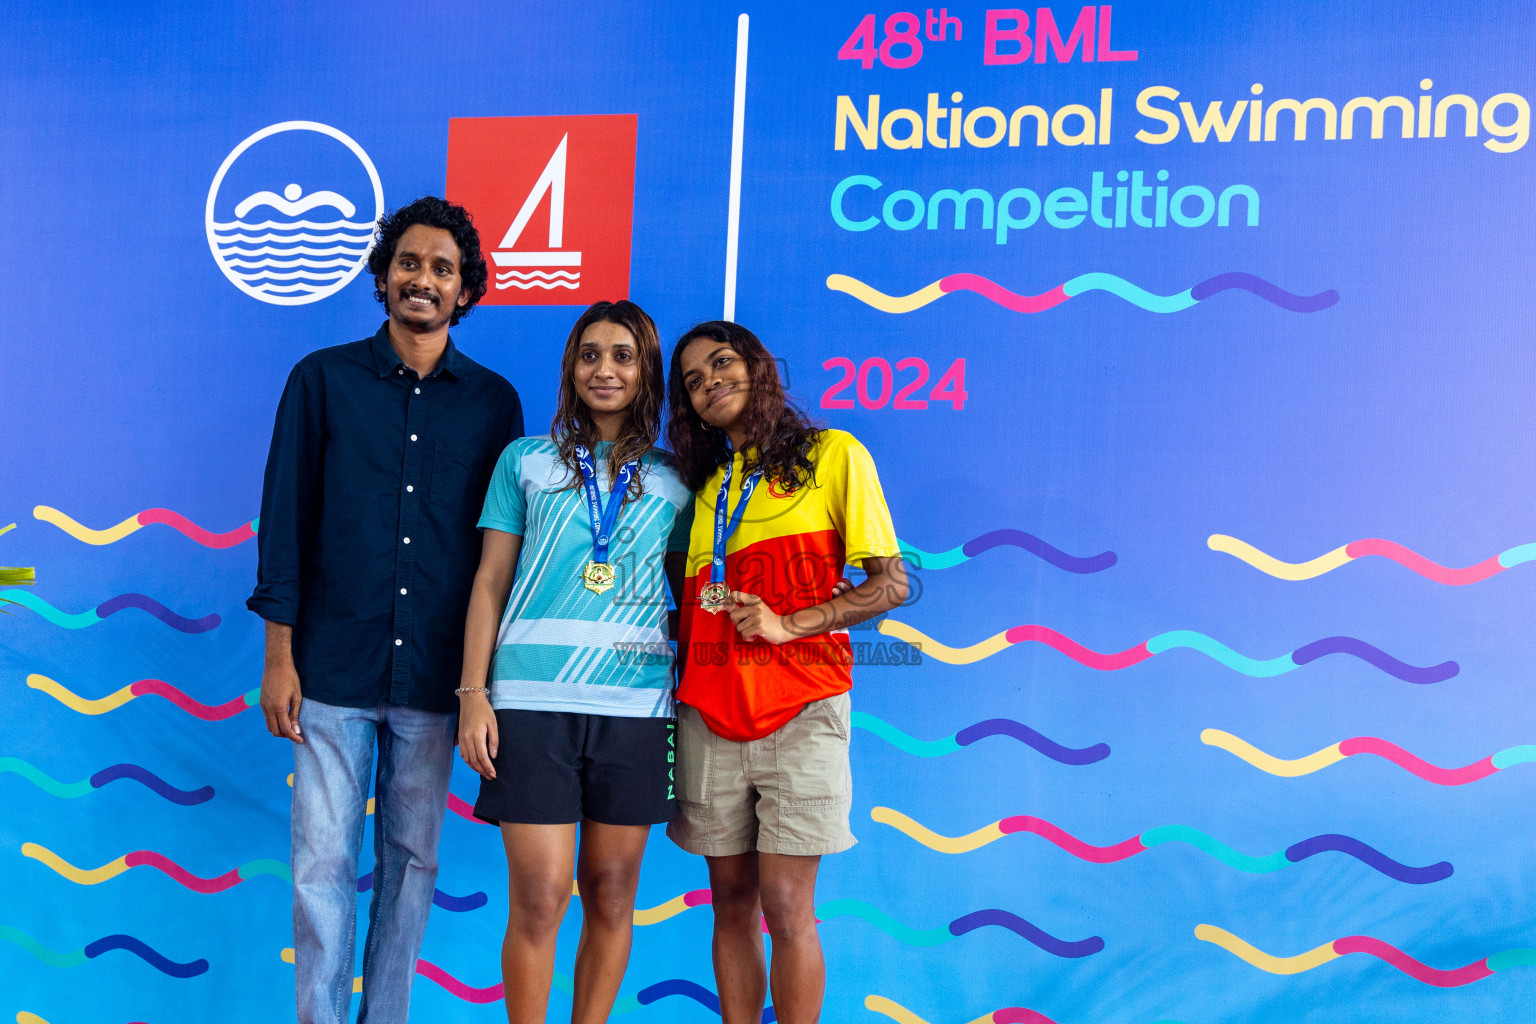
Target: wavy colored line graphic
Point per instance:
(105, 944)
(960, 926)
(1008, 538)
(161, 863)
(1406, 557)
(111, 606)
(1419, 971)
(1082, 284)
(625, 1004)
(1367, 745)
(144, 688)
(1295, 853)
(71, 790)
(980, 731)
(458, 805)
(149, 517)
(1213, 649)
(452, 904)
(1006, 1015)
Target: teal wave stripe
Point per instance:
(51, 786)
(885, 922)
(276, 868)
(1516, 555)
(1512, 958)
(1220, 652)
(900, 740)
(933, 560)
(1513, 756)
(1192, 836)
(1122, 288)
(48, 956)
(627, 1004)
(29, 600)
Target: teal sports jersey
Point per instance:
(561, 647)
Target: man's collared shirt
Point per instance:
(367, 539)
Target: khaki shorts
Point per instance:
(787, 793)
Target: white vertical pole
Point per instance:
(738, 130)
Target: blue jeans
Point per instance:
(330, 794)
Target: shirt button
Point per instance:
(399, 642)
(398, 370)
(407, 540)
(418, 391)
(402, 590)
(413, 437)
(409, 488)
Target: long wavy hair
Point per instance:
(573, 423)
(779, 436)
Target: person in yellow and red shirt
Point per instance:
(763, 783)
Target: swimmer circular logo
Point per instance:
(281, 242)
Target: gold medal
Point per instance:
(713, 597)
(598, 577)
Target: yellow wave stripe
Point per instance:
(1289, 769)
(881, 301)
(931, 839)
(949, 655)
(100, 706)
(23, 1017)
(4, 530)
(1262, 960)
(901, 1015)
(80, 876)
(357, 983)
(1272, 565)
(661, 912)
(370, 799)
(110, 535)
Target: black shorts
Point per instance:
(562, 767)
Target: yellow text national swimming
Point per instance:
(1505, 118)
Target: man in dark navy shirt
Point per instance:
(379, 464)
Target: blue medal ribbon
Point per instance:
(603, 519)
(723, 527)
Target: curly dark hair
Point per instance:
(572, 423)
(434, 213)
(779, 435)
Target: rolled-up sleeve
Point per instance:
(289, 496)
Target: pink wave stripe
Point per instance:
(1076, 651)
(1411, 559)
(1475, 971)
(697, 898)
(1019, 1015)
(208, 713)
(1002, 296)
(159, 861)
(1073, 845)
(1417, 765)
(430, 970)
(458, 805)
(177, 521)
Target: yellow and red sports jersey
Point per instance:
(789, 550)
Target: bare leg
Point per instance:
(540, 859)
(741, 971)
(788, 887)
(608, 872)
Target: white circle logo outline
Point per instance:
(218, 179)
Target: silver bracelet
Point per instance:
(473, 689)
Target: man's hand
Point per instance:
(754, 620)
(280, 693)
(477, 733)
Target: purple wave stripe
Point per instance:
(148, 955)
(1264, 290)
(185, 797)
(1024, 734)
(1025, 930)
(158, 610)
(1374, 656)
(452, 904)
(1040, 549)
(698, 993)
(1371, 856)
